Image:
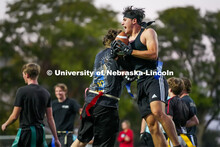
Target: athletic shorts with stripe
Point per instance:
(25, 138)
(149, 90)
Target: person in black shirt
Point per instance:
(178, 110)
(100, 113)
(64, 113)
(191, 131)
(31, 104)
(142, 55)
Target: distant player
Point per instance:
(100, 113)
(64, 112)
(178, 110)
(152, 92)
(31, 104)
(191, 132)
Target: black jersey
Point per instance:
(33, 99)
(191, 105)
(138, 63)
(180, 113)
(64, 114)
(104, 80)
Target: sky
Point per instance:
(151, 6)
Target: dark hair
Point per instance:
(32, 69)
(187, 84)
(110, 36)
(176, 85)
(137, 13)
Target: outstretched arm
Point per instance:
(13, 117)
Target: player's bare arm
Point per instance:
(192, 121)
(51, 124)
(149, 38)
(13, 117)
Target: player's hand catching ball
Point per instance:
(125, 49)
(114, 49)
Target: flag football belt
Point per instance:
(95, 99)
(128, 87)
(33, 137)
(107, 95)
(64, 132)
(65, 138)
(186, 139)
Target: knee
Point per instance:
(153, 128)
(152, 124)
(158, 110)
(158, 114)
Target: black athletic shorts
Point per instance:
(103, 125)
(151, 89)
(25, 137)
